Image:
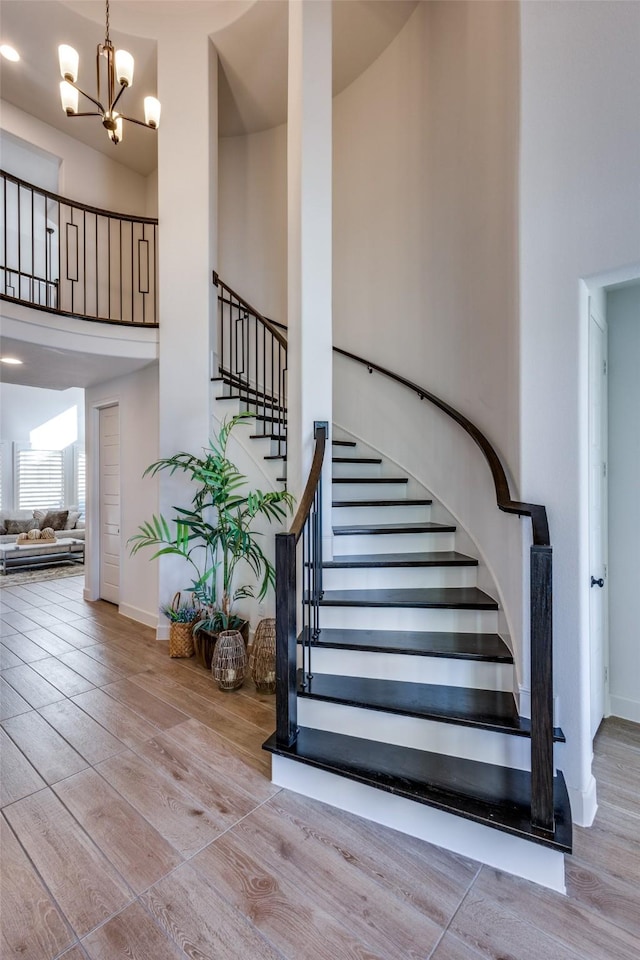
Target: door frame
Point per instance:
(598, 317)
(92, 512)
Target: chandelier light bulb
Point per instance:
(152, 112)
(9, 53)
(117, 134)
(124, 68)
(69, 98)
(69, 60)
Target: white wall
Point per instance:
(85, 174)
(623, 316)
(425, 261)
(252, 230)
(579, 216)
(137, 395)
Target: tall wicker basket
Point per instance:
(229, 664)
(262, 661)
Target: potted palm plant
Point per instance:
(216, 533)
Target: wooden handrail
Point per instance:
(306, 501)
(256, 313)
(504, 501)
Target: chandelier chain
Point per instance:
(107, 36)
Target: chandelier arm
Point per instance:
(122, 90)
(94, 114)
(89, 97)
(140, 123)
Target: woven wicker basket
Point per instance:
(229, 664)
(262, 661)
(181, 635)
(181, 640)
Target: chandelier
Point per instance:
(117, 66)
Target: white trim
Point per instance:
(162, 630)
(625, 709)
(140, 616)
(584, 804)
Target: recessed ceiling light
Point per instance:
(9, 53)
(12, 360)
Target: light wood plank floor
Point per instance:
(139, 822)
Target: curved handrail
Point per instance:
(77, 204)
(306, 501)
(536, 511)
(271, 327)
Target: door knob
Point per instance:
(597, 583)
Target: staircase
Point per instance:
(405, 705)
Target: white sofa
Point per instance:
(74, 525)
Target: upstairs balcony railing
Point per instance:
(76, 260)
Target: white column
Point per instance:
(309, 236)
(187, 195)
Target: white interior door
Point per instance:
(110, 504)
(598, 619)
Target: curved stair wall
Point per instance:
(387, 416)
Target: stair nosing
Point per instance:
(381, 529)
(433, 558)
(523, 729)
(412, 598)
(339, 639)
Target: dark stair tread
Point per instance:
(282, 437)
(424, 526)
(488, 794)
(488, 647)
(343, 443)
(398, 502)
(376, 460)
(431, 558)
(236, 382)
(370, 479)
(484, 709)
(448, 598)
(268, 404)
(276, 456)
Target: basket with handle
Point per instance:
(181, 631)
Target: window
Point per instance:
(80, 476)
(39, 478)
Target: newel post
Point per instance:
(541, 689)
(286, 640)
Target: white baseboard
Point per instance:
(140, 616)
(625, 709)
(494, 847)
(584, 804)
(162, 631)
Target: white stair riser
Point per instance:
(366, 543)
(450, 739)
(408, 618)
(494, 847)
(359, 469)
(478, 674)
(368, 491)
(388, 578)
(400, 513)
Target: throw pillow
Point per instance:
(52, 518)
(20, 526)
(72, 519)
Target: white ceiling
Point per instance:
(57, 369)
(250, 36)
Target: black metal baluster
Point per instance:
(84, 258)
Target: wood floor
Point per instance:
(139, 822)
